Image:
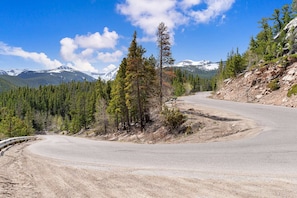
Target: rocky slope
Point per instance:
(267, 84)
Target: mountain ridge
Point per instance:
(63, 74)
(19, 78)
(202, 64)
(204, 68)
(110, 75)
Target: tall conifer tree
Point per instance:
(117, 105)
(165, 55)
(134, 75)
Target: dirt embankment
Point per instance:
(268, 84)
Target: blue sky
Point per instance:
(94, 35)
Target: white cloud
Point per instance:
(185, 4)
(87, 52)
(67, 49)
(84, 50)
(110, 57)
(148, 14)
(34, 56)
(82, 65)
(214, 9)
(97, 41)
(222, 20)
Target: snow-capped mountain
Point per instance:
(2, 72)
(60, 69)
(204, 69)
(16, 72)
(62, 74)
(110, 75)
(12, 72)
(203, 64)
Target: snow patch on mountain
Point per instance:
(109, 75)
(66, 73)
(60, 69)
(203, 64)
(3, 72)
(14, 72)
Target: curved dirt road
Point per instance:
(258, 166)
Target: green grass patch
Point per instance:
(273, 85)
(292, 91)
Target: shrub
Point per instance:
(273, 85)
(292, 91)
(269, 57)
(173, 118)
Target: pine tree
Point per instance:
(294, 6)
(234, 65)
(117, 106)
(264, 45)
(287, 13)
(278, 23)
(149, 87)
(134, 73)
(165, 55)
(103, 90)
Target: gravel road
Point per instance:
(257, 166)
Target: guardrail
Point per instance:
(14, 140)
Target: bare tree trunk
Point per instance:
(161, 77)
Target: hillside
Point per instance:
(269, 83)
(63, 74)
(267, 72)
(5, 85)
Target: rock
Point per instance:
(258, 72)
(114, 139)
(288, 78)
(254, 82)
(247, 74)
(227, 81)
(292, 71)
(259, 96)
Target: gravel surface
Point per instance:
(262, 165)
